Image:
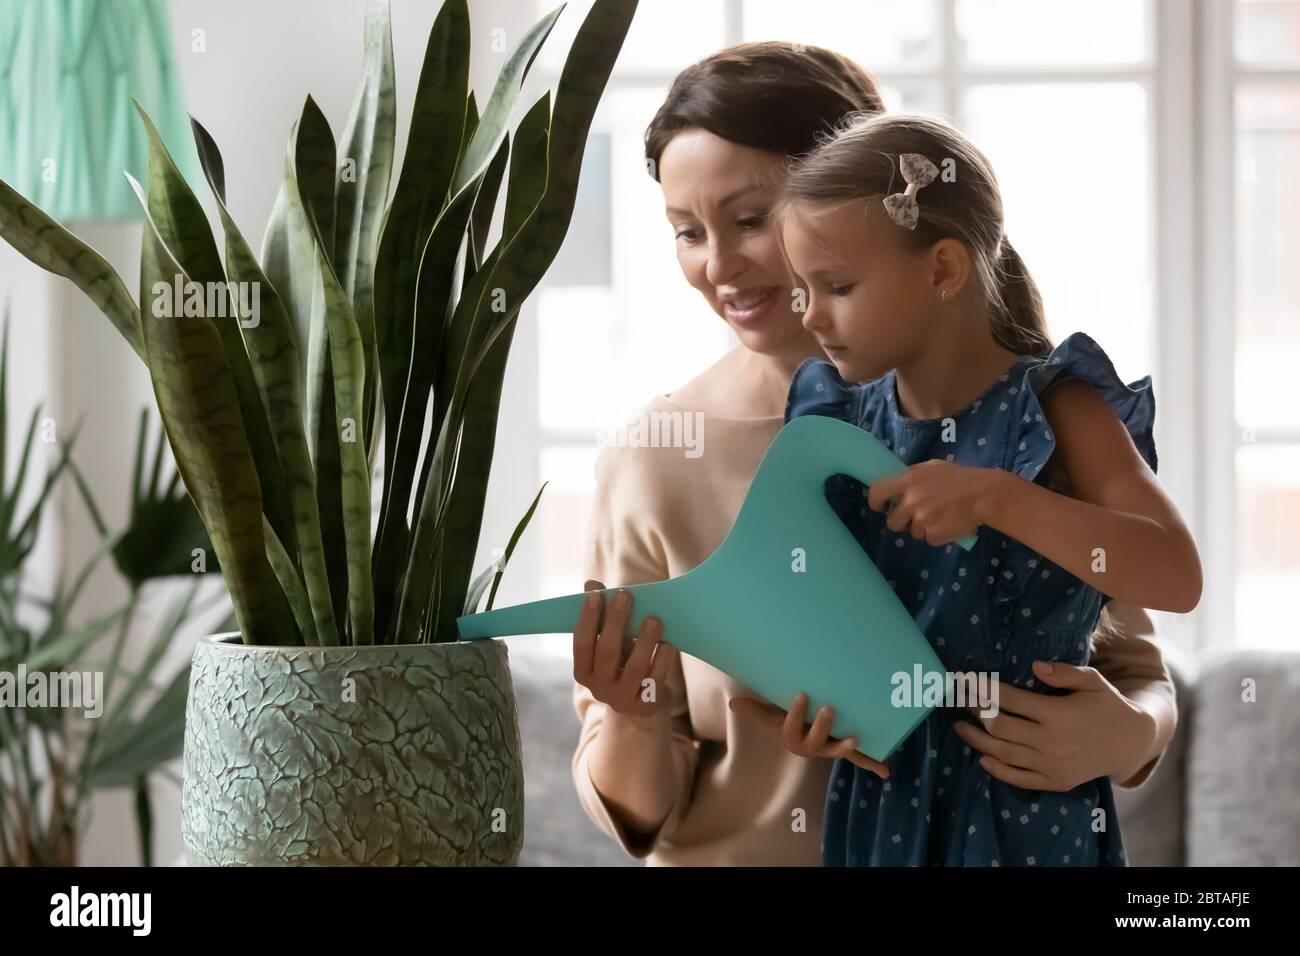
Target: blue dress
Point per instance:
(996, 608)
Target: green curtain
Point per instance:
(68, 72)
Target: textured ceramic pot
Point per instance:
(352, 756)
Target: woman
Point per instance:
(671, 769)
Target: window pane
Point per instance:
(1076, 190)
(665, 35)
(1060, 33)
(562, 516)
(1268, 527)
(607, 350)
(1268, 250)
(1268, 31)
(879, 34)
(911, 97)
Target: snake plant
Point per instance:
(378, 344)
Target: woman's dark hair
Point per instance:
(773, 96)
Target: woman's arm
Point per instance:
(634, 775)
(1132, 662)
(1120, 532)
(1115, 720)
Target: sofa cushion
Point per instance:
(1243, 766)
(556, 831)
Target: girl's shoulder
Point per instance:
(818, 389)
(1077, 357)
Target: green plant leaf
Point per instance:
(201, 413)
(183, 228)
(438, 273)
(368, 146)
(432, 149)
(140, 746)
(346, 430)
(273, 352)
(510, 545)
(43, 241)
(515, 267)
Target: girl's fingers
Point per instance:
(792, 731)
(1017, 777)
(609, 645)
(861, 760)
(817, 737)
(1011, 753)
(665, 658)
(584, 635)
(881, 490)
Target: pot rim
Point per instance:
(230, 640)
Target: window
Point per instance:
(1092, 115)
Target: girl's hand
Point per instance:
(1042, 742)
(801, 738)
(939, 501)
(635, 688)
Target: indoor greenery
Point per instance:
(383, 328)
(53, 758)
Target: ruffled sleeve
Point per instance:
(1078, 356)
(817, 389)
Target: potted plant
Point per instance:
(73, 719)
(345, 724)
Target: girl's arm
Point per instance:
(1120, 533)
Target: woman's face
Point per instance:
(718, 196)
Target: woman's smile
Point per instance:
(748, 307)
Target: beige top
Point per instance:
(658, 513)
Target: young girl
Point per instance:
(895, 228)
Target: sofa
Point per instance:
(1225, 793)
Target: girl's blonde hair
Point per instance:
(858, 165)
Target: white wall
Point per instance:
(247, 87)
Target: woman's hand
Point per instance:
(1043, 742)
(801, 738)
(939, 501)
(635, 688)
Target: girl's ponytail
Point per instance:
(1019, 323)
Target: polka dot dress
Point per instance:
(996, 608)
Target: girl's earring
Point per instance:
(943, 295)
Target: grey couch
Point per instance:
(1226, 792)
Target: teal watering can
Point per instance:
(789, 602)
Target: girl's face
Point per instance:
(871, 300)
(719, 196)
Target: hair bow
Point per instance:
(917, 172)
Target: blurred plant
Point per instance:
(375, 317)
(53, 758)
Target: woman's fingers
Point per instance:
(1015, 754)
(637, 665)
(609, 645)
(584, 635)
(1018, 777)
(665, 658)
(1009, 727)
